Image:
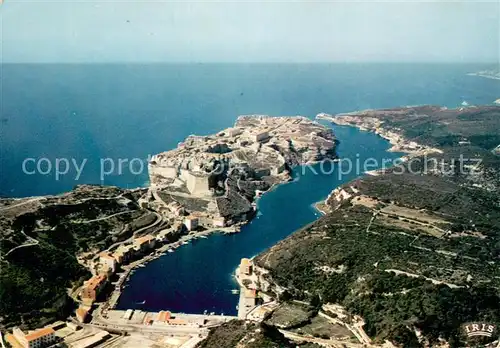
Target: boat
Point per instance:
(464, 103)
(185, 243)
(170, 250)
(204, 237)
(235, 291)
(143, 302)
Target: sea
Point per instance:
(68, 124)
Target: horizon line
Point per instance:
(248, 63)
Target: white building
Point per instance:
(191, 223)
(259, 136)
(219, 221)
(107, 260)
(36, 339)
(128, 314)
(232, 132)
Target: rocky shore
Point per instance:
(405, 236)
(369, 120)
(216, 179)
(207, 184)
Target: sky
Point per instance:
(248, 31)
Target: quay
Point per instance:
(253, 303)
(124, 318)
(163, 322)
(157, 253)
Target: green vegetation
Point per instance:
(322, 328)
(290, 315)
(389, 268)
(238, 333)
(34, 284)
(384, 299)
(40, 245)
(435, 126)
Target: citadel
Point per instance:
(215, 179)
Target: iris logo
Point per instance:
(479, 329)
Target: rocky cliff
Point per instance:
(228, 169)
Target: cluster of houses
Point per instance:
(108, 262)
(53, 335)
(44, 337)
(245, 272)
(35, 339)
(106, 266)
(166, 318)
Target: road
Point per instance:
(156, 222)
(192, 342)
(22, 203)
(104, 324)
(104, 217)
(30, 242)
(153, 224)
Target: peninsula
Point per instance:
(77, 249)
(403, 258)
(489, 74)
(215, 179)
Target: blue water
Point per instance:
(94, 112)
(198, 276)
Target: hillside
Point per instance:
(238, 333)
(46, 242)
(414, 249)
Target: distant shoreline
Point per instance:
(486, 76)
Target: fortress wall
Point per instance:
(261, 172)
(197, 185)
(280, 168)
(166, 172)
(184, 175)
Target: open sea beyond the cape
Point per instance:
(96, 111)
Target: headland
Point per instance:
(412, 234)
(208, 184)
(216, 179)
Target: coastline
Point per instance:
(486, 76)
(157, 253)
(385, 204)
(313, 143)
(364, 122)
(236, 228)
(285, 177)
(322, 206)
(161, 252)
